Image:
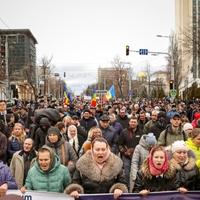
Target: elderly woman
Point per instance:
(98, 171)
(188, 176)
(156, 173)
(62, 148)
(193, 143)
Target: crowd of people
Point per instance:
(114, 147)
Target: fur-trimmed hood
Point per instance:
(88, 167)
(168, 174)
(189, 165)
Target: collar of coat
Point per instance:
(189, 165)
(88, 167)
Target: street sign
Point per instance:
(143, 51)
(173, 93)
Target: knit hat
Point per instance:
(187, 126)
(151, 139)
(54, 130)
(179, 145)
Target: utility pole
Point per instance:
(7, 69)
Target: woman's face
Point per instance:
(17, 130)
(72, 132)
(158, 159)
(196, 140)
(53, 138)
(99, 151)
(180, 156)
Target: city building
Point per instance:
(17, 64)
(187, 21)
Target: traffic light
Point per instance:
(171, 84)
(127, 50)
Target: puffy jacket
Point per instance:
(55, 180)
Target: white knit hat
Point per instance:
(179, 145)
(187, 126)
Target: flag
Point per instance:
(111, 93)
(93, 102)
(66, 98)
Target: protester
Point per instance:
(156, 173)
(187, 128)
(22, 161)
(62, 148)
(3, 147)
(188, 175)
(172, 132)
(93, 133)
(47, 174)
(193, 143)
(98, 171)
(140, 154)
(7, 181)
(15, 141)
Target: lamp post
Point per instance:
(172, 75)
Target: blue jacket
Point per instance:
(6, 176)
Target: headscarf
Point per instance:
(152, 168)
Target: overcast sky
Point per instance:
(83, 35)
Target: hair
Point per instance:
(21, 138)
(133, 117)
(60, 125)
(90, 132)
(100, 139)
(195, 132)
(157, 148)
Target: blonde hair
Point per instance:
(21, 137)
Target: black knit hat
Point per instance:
(54, 130)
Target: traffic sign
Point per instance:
(143, 51)
(173, 93)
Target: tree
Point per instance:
(120, 76)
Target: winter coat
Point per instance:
(140, 154)
(123, 121)
(17, 167)
(55, 180)
(3, 147)
(65, 152)
(90, 179)
(88, 123)
(6, 176)
(195, 149)
(167, 137)
(128, 140)
(145, 180)
(111, 136)
(188, 175)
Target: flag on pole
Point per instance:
(66, 98)
(111, 93)
(93, 102)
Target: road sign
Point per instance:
(173, 93)
(143, 51)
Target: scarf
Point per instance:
(153, 169)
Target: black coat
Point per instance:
(145, 180)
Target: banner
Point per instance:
(34, 195)
(151, 196)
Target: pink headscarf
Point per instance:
(153, 169)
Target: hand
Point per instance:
(74, 194)
(23, 190)
(144, 192)
(117, 193)
(4, 186)
(182, 190)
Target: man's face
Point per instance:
(2, 106)
(154, 116)
(176, 121)
(122, 114)
(28, 144)
(104, 124)
(133, 123)
(44, 160)
(142, 116)
(86, 115)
